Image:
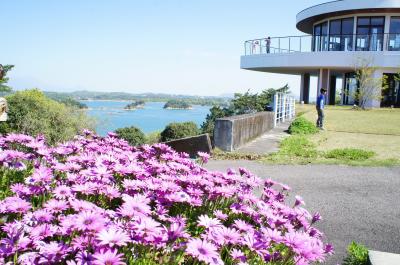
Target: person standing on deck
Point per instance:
(320, 109)
(268, 44)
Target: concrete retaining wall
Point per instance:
(192, 145)
(233, 132)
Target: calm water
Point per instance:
(111, 115)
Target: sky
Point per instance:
(190, 47)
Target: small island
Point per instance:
(137, 104)
(177, 104)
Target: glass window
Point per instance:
(317, 38)
(348, 26)
(363, 21)
(335, 28)
(395, 25)
(378, 21)
(370, 33)
(320, 37)
(324, 36)
(347, 34)
(341, 34)
(394, 36)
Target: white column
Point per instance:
(386, 30)
(323, 80)
(354, 33)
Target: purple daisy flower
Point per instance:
(90, 221)
(113, 237)
(108, 257)
(202, 250)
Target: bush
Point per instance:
(153, 138)
(349, 154)
(105, 202)
(177, 130)
(357, 254)
(31, 112)
(134, 136)
(298, 146)
(216, 112)
(302, 126)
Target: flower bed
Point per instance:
(98, 200)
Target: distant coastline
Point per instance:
(92, 96)
(177, 108)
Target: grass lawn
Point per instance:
(345, 119)
(375, 130)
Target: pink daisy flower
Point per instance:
(90, 221)
(56, 206)
(208, 222)
(113, 237)
(62, 192)
(243, 226)
(204, 157)
(237, 254)
(220, 215)
(203, 251)
(109, 257)
(223, 235)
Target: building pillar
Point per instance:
(343, 92)
(374, 101)
(323, 81)
(332, 90)
(305, 88)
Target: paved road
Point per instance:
(356, 203)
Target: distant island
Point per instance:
(70, 102)
(137, 104)
(177, 104)
(146, 97)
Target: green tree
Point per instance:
(285, 89)
(4, 69)
(134, 136)
(31, 112)
(241, 104)
(245, 103)
(177, 130)
(216, 112)
(251, 103)
(369, 86)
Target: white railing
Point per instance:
(284, 107)
(323, 43)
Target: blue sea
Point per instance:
(110, 115)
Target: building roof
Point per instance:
(311, 15)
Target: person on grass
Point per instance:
(320, 108)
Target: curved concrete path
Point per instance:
(267, 143)
(356, 203)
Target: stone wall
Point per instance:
(233, 132)
(192, 145)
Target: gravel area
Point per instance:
(356, 203)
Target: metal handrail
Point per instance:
(318, 43)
